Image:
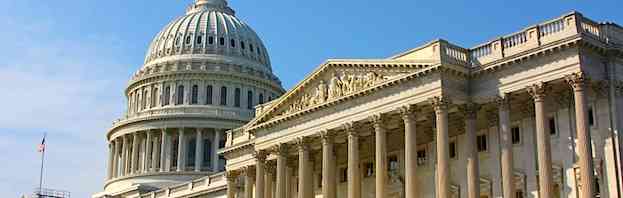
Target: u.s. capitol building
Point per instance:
(537, 113)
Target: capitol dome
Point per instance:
(204, 74)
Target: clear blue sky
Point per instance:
(64, 64)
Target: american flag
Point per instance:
(41, 147)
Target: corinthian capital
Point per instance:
(503, 101)
(260, 155)
(470, 109)
(408, 112)
(439, 103)
(303, 143)
(349, 128)
(327, 137)
(577, 81)
(377, 120)
(538, 91)
(280, 149)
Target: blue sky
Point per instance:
(64, 64)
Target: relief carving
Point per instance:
(339, 85)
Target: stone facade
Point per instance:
(203, 74)
(533, 114)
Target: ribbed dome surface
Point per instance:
(209, 27)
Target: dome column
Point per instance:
(155, 153)
(198, 150)
(181, 150)
(148, 152)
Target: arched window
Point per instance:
(166, 96)
(237, 97)
(154, 93)
(180, 95)
(251, 47)
(209, 95)
(224, 96)
(242, 45)
(250, 100)
(194, 94)
(177, 41)
(199, 39)
(221, 41)
(261, 99)
(188, 40)
(232, 42)
(145, 94)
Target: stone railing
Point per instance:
(203, 111)
(543, 34)
(205, 185)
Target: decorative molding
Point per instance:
(577, 81)
(408, 112)
(470, 109)
(327, 137)
(503, 102)
(538, 91)
(439, 103)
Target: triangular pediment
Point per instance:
(332, 82)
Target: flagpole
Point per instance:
(41, 170)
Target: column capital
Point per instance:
(260, 155)
(232, 175)
(408, 112)
(503, 101)
(577, 81)
(303, 143)
(470, 109)
(280, 149)
(439, 103)
(248, 170)
(538, 91)
(327, 137)
(377, 120)
(350, 129)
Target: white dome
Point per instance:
(209, 27)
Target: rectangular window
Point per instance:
(249, 100)
(224, 96)
(552, 125)
(209, 95)
(591, 117)
(237, 97)
(166, 96)
(210, 40)
(452, 149)
(199, 39)
(393, 163)
(481, 143)
(516, 135)
(344, 175)
(194, 94)
(221, 41)
(421, 157)
(369, 169)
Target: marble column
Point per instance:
(354, 174)
(281, 152)
(305, 168)
(269, 180)
(124, 156)
(380, 156)
(506, 144)
(116, 158)
(260, 160)
(215, 148)
(198, 150)
(473, 172)
(165, 164)
(135, 146)
(155, 154)
(443, 155)
(409, 119)
(329, 182)
(148, 152)
(181, 150)
(111, 151)
(231, 184)
(544, 155)
(249, 175)
(579, 82)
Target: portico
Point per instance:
(436, 121)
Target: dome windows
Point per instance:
(209, 95)
(199, 39)
(250, 100)
(232, 42)
(166, 96)
(242, 45)
(194, 94)
(237, 97)
(221, 41)
(224, 96)
(180, 95)
(211, 40)
(188, 39)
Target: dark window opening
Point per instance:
(232, 42)
(237, 97)
(250, 100)
(166, 96)
(481, 143)
(209, 95)
(516, 135)
(369, 169)
(187, 40)
(251, 47)
(552, 126)
(421, 157)
(194, 94)
(591, 117)
(221, 41)
(180, 95)
(210, 40)
(261, 99)
(242, 45)
(190, 152)
(393, 163)
(199, 39)
(224, 96)
(344, 175)
(207, 151)
(452, 149)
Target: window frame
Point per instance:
(486, 142)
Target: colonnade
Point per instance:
(153, 151)
(538, 93)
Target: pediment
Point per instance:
(332, 82)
